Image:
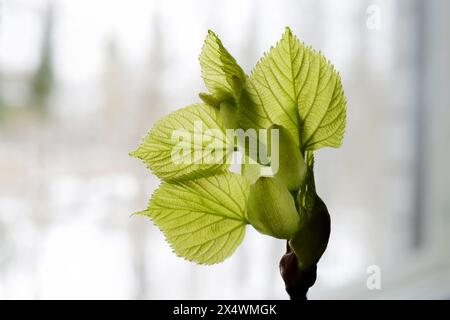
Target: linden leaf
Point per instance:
(188, 143)
(203, 219)
(222, 75)
(296, 87)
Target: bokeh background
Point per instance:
(82, 81)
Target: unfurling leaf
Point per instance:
(223, 77)
(271, 209)
(202, 219)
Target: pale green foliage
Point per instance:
(296, 87)
(203, 208)
(203, 219)
(156, 149)
(222, 75)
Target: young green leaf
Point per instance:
(203, 219)
(296, 87)
(180, 147)
(223, 77)
(271, 208)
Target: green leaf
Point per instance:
(296, 87)
(203, 219)
(181, 145)
(271, 208)
(223, 77)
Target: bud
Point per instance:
(271, 209)
(311, 239)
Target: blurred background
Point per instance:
(82, 81)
